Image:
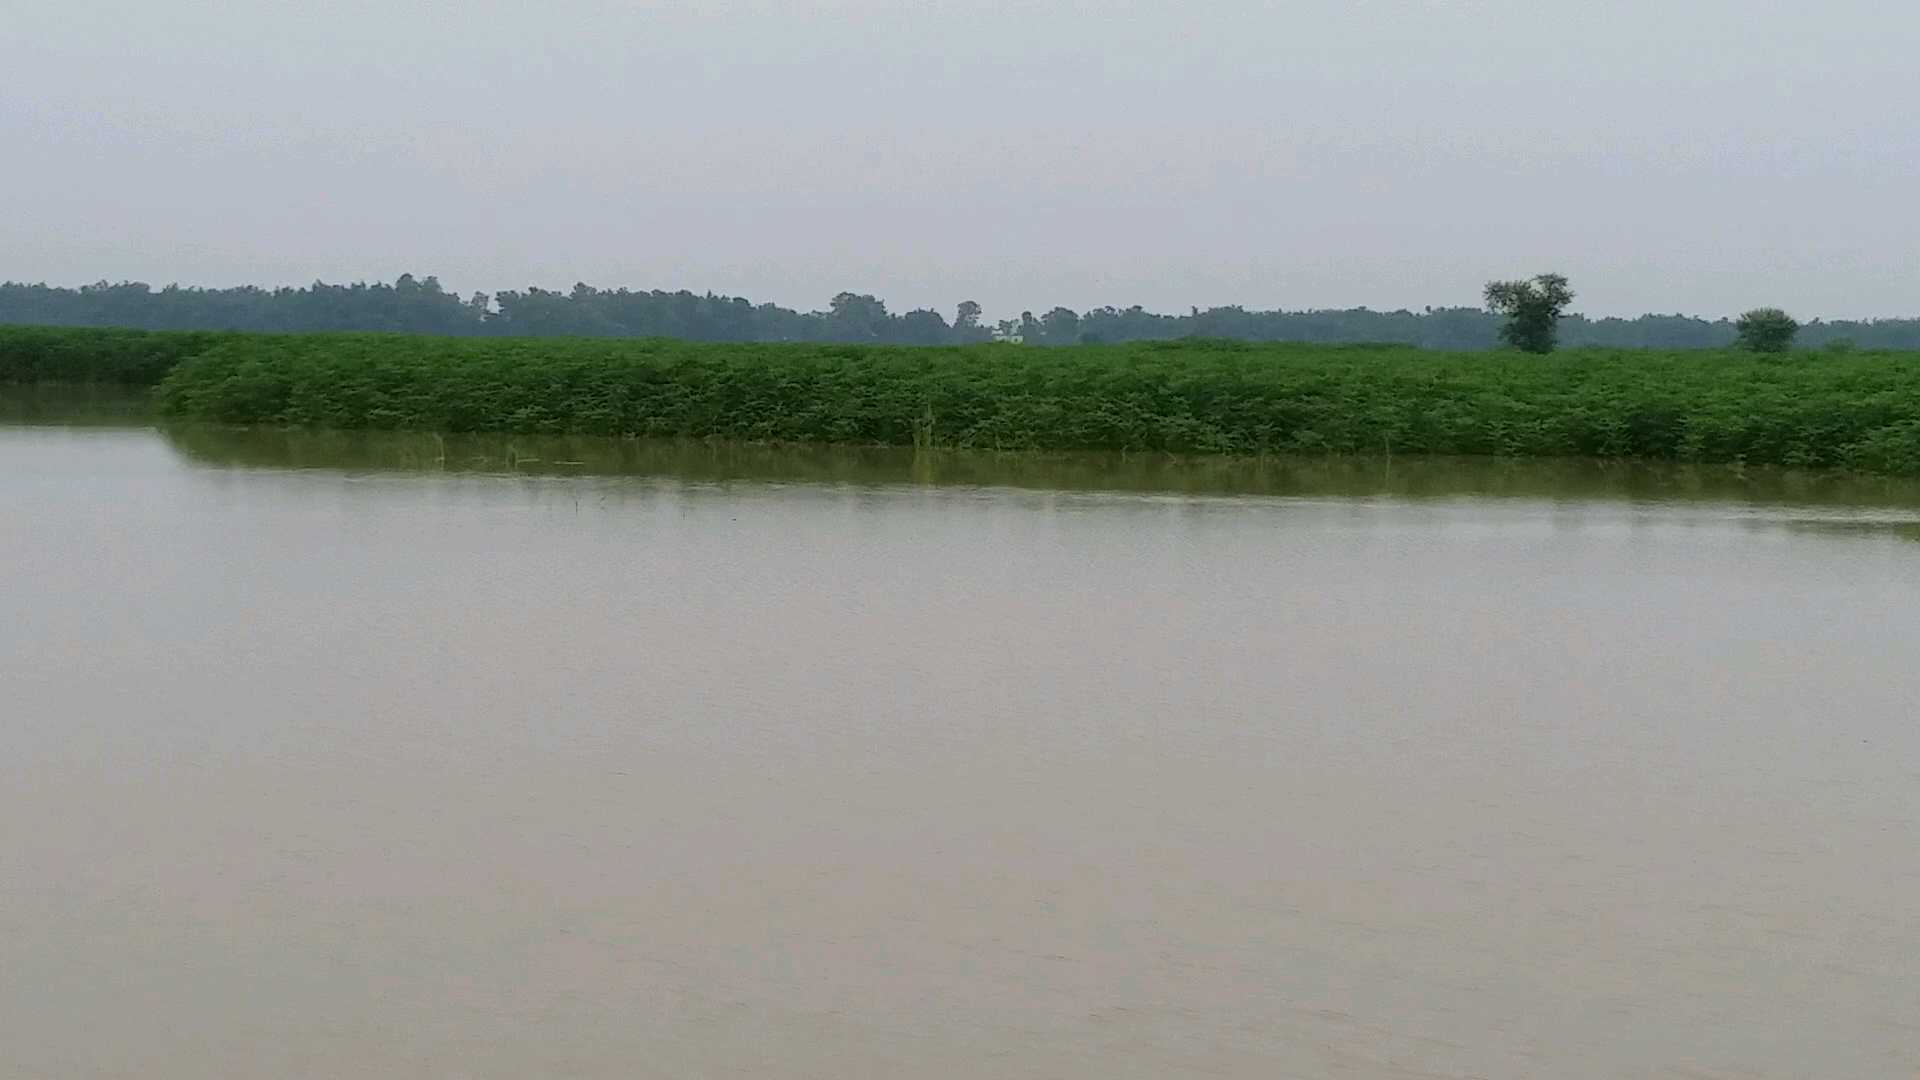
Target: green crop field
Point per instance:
(1855, 411)
(84, 355)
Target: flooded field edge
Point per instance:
(708, 461)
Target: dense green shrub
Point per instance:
(47, 354)
(1860, 410)
(1767, 330)
(1856, 410)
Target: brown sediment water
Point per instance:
(598, 759)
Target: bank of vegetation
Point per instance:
(95, 356)
(1857, 410)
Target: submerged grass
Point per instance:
(1857, 411)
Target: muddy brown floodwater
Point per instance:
(330, 756)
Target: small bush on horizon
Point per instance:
(1766, 330)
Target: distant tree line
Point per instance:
(421, 305)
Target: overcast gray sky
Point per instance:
(1696, 155)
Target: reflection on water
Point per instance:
(1292, 476)
(75, 406)
(711, 462)
(1834, 502)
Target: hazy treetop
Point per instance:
(1707, 156)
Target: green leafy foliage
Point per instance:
(1533, 310)
(44, 354)
(1767, 330)
(1859, 410)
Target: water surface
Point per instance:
(332, 756)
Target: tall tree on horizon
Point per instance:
(1533, 309)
